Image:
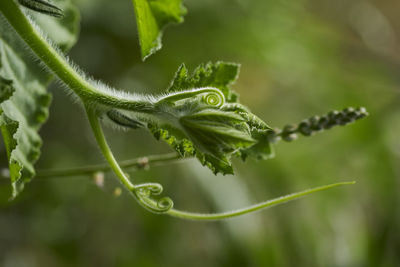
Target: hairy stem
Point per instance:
(58, 64)
(250, 209)
(137, 163)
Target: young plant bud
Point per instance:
(42, 6)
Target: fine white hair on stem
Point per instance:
(98, 86)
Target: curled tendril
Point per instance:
(213, 99)
(211, 96)
(145, 192)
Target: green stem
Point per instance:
(190, 93)
(250, 209)
(58, 64)
(137, 163)
(105, 149)
(143, 193)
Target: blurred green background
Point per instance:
(299, 58)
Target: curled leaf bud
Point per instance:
(123, 120)
(43, 7)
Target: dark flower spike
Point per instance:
(318, 123)
(42, 6)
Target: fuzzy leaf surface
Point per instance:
(220, 75)
(23, 113)
(152, 16)
(199, 117)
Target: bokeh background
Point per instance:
(299, 58)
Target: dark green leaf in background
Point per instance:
(23, 113)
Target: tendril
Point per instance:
(211, 96)
(213, 99)
(253, 208)
(145, 193)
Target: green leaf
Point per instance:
(220, 75)
(152, 16)
(260, 132)
(23, 112)
(198, 117)
(6, 88)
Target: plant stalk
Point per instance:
(250, 209)
(60, 66)
(137, 163)
(105, 149)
